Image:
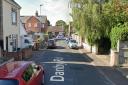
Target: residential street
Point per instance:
(64, 66)
(64, 42)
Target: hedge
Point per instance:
(120, 32)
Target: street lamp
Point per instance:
(40, 8)
(42, 5)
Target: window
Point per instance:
(43, 25)
(35, 25)
(14, 17)
(73, 41)
(9, 82)
(29, 24)
(26, 41)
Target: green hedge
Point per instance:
(119, 32)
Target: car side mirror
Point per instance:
(37, 67)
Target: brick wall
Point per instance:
(24, 53)
(15, 55)
(27, 52)
(32, 21)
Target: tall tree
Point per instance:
(94, 19)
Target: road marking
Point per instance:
(70, 62)
(59, 70)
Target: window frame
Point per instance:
(14, 16)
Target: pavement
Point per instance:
(104, 60)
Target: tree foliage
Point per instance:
(119, 32)
(63, 24)
(60, 23)
(94, 19)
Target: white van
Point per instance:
(27, 42)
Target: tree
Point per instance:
(94, 19)
(60, 23)
(63, 25)
(85, 19)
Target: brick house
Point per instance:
(55, 30)
(35, 23)
(9, 25)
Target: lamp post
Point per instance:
(40, 17)
(43, 4)
(40, 8)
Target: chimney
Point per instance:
(36, 13)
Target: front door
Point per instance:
(6, 43)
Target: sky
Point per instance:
(54, 9)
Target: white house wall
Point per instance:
(8, 28)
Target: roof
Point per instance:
(13, 69)
(13, 3)
(42, 19)
(24, 18)
(16, 3)
(55, 29)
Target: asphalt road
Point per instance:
(64, 66)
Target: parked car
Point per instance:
(67, 39)
(73, 44)
(51, 43)
(21, 73)
(60, 36)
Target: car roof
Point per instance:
(51, 40)
(13, 69)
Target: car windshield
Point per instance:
(73, 41)
(51, 41)
(9, 82)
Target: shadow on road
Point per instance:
(49, 54)
(60, 47)
(113, 74)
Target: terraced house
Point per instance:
(9, 25)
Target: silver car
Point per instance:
(73, 44)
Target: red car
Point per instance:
(21, 73)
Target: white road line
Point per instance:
(69, 62)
